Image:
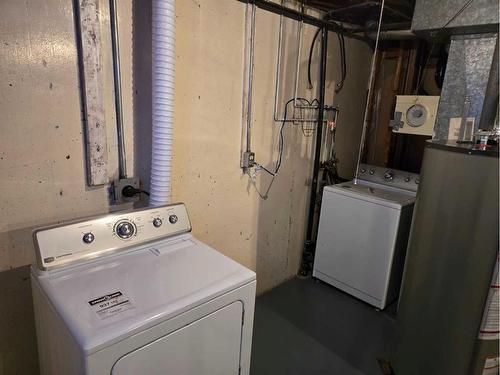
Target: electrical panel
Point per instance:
(415, 114)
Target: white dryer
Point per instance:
(135, 293)
(363, 233)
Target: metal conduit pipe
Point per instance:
(392, 35)
(276, 118)
(253, 10)
(122, 162)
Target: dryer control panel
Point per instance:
(389, 177)
(85, 239)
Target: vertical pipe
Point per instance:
(250, 78)
(122, 162)
(278, 69)
(309, 243)
(297, 66)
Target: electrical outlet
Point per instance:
(248, 159)
(118, 186)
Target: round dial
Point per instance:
(389, 176)
(416, 115)
(173, 219)
(125, 229)
(88, 237)
(157, 222)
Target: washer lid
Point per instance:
(374, 193)
(109, 299)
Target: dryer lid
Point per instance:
(107, 300)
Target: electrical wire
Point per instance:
(129, 191)
(281, 146)
(343, 64)
(265, 169)
(281, 140)
(309, 79)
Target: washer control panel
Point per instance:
(388, 176)
(80, 240)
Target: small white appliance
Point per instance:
(363, 233)
(415, 114)
(135, 293)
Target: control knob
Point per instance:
(389, 176)
(125, 229)
(173, 219)
(157, 222)
(88, 238)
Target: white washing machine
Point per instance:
(363, 233)
(136, 293)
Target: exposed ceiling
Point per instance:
(361, 12)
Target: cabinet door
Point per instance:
(210, 345)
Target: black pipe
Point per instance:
(299, 16)
(490, 105)
(310, 242)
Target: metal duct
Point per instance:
(163, 100)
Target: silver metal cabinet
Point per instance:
(451, 255)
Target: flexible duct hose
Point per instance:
(163, 100)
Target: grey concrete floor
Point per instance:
(306, 327)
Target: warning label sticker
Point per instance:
(110, 304)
